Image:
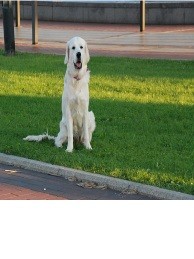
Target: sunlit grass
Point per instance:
(144, 112)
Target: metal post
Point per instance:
(34, 22)
(17, 13)
(142, 15)
(8, 26)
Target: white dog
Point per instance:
(77, 122)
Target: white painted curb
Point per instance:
(112, 183)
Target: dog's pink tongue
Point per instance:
(78, 64)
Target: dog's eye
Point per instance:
(73, 47)
(81, 47)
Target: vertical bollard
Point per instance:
(17, 13)
(142, 15)
(8, 26)
(34, 22)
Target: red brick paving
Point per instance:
(10, 192)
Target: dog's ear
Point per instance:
(67, 53)
(87, 53)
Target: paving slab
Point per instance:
(162, 42)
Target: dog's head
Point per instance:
(77, 54)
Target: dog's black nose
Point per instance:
(79, 55)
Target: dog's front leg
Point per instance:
(86, 131)
(69, 131)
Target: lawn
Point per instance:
(144, 112)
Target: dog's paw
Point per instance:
(69, 150)
(88, 146)
(57, 144)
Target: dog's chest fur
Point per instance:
(77, 102)
(77, 94)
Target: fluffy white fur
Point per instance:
(77, 122)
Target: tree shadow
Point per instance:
(146, 142)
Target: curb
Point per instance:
(112, 183)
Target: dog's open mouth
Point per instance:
(78, 65)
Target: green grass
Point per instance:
(144, 112)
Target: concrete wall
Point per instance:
(156, 13)
(170, 13)
(84, 12)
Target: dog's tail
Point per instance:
(39, 138)
(92, 122)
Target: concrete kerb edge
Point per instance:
(112, 183)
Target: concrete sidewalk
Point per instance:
(165, 42)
